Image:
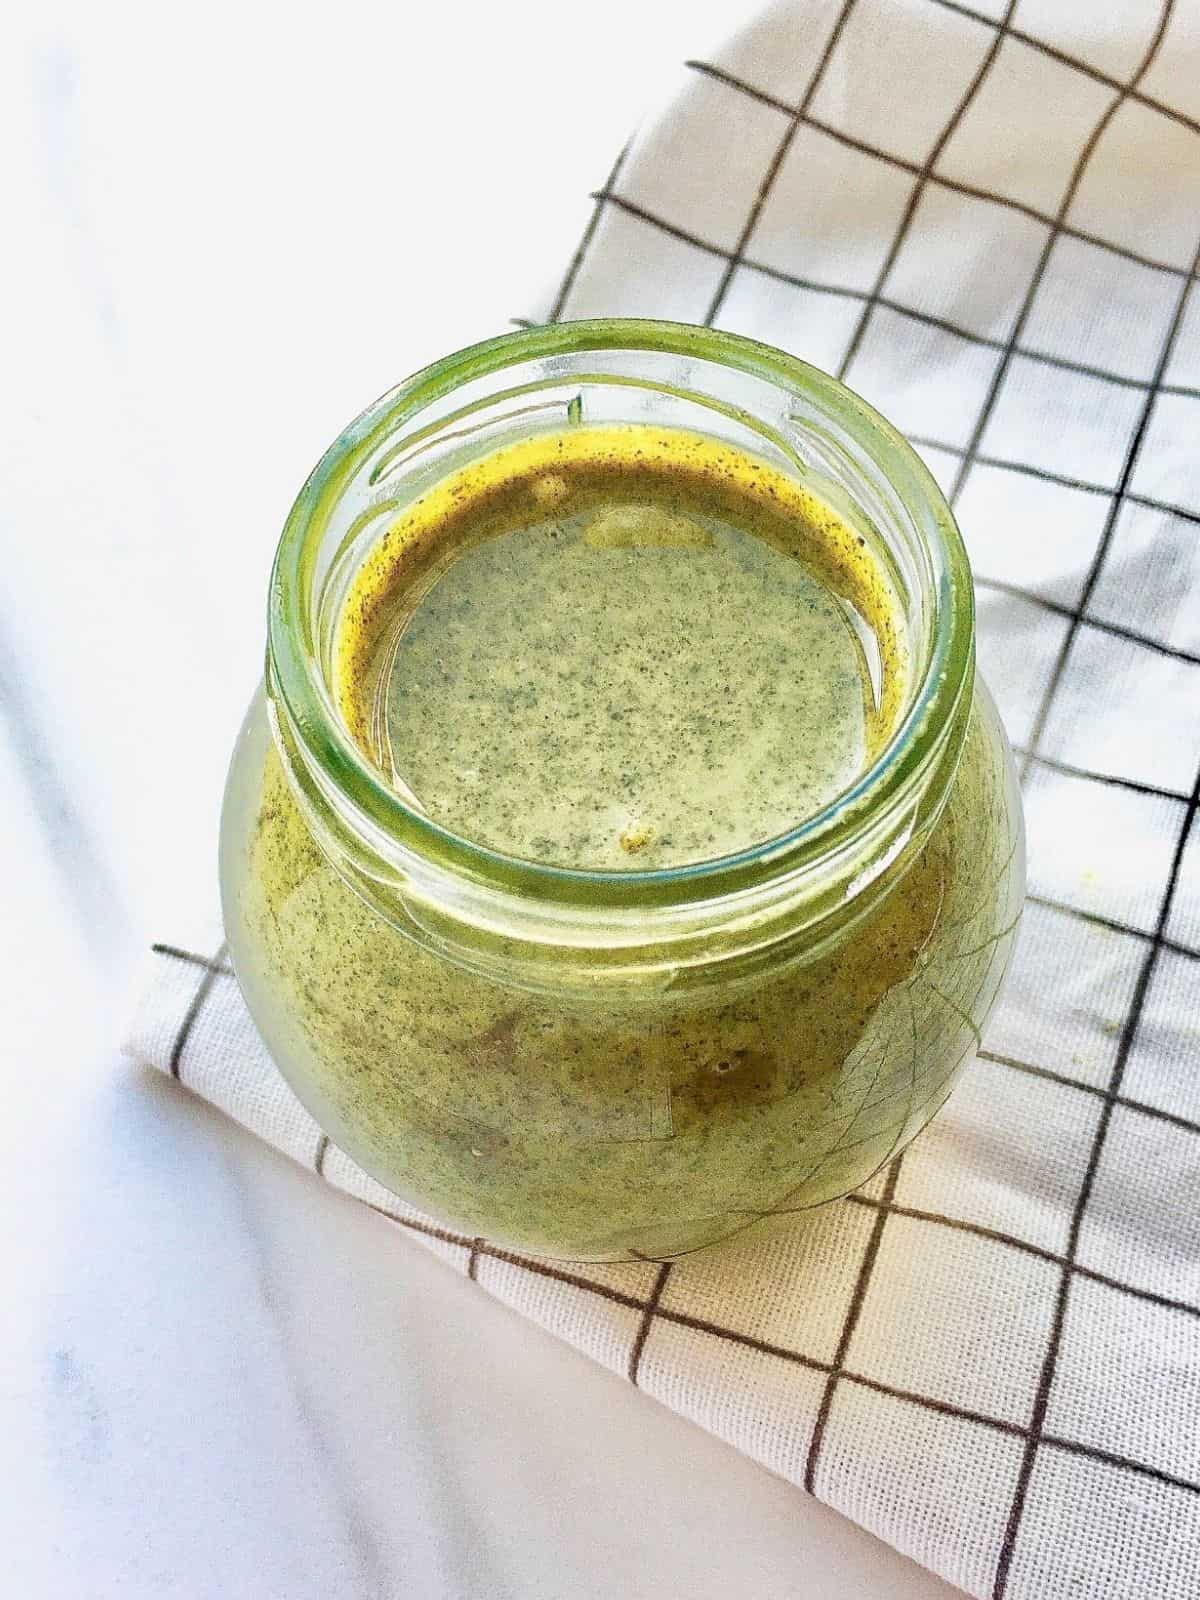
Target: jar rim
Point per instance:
(912, 749)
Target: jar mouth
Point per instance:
(302, 698)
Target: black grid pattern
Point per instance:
(1058, 224)
(794, 119)
(657, 1307)
(872, 298)
(651, 1309)
(214, 967)
(924, 177)
(1134, 1015)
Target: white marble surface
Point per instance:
(228, 227)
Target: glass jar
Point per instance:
(605, 1065)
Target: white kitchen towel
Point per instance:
(986, 219)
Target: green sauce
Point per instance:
(490, 659)
(591, 664)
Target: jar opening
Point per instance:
(754, 396)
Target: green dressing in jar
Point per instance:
(629, 857)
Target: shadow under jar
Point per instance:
(633, 1060)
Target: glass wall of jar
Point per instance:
(607, 1065)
